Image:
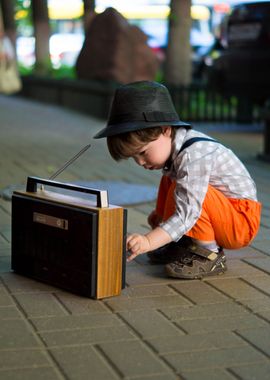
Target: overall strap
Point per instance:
(186, 144)
(193, 140)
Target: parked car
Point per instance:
(244, 61)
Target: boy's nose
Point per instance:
(140, 161)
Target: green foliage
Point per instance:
(23, 17)
(64, 72)
(61, 73)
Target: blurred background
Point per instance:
(67, 27)
(214, 55)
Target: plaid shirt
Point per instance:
(197, 166)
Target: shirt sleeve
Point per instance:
(192, 174)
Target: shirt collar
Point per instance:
(176, 146)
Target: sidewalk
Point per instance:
(159, 328)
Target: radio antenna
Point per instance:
(69, 162)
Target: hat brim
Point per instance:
(118, 129)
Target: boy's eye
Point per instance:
(142, 153)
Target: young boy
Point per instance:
(207, 199)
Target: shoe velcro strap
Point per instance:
(203, 252)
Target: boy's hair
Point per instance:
(127, 144)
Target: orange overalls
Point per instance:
(232, 223)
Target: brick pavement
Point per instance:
(159, 328)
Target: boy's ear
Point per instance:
(167, 131)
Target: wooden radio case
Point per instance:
(67, 241)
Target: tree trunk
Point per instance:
(8, 20)
(178, 56)
(42, 35)
(89, 12)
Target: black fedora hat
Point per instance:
(140, 105)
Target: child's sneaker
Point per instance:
(197, 262)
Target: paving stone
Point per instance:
(5, 250)
(40, 373)
(262, 245)
(262, 264)
(133, 359)
(220, 324)
(221, 358)
(258, 371)
(204, 311)
(150, 323)
(124, 304)
(20, 284)
(75, 322)
(243, 253)
(5, 299)
(146, 275)
(148, 291)
(16, 334)
(264, 314)
(239, 268)
(256, 305)
(236, 288)
(5, 264)
(87, 336)
(164, 376)
(198, 342)
(263, 233)
(18, 359)
(9, 312)
(40, 304)
(81, 305)
(213, 374)
(79, 363)
(259, 337)
(199, 292)
(262, 283)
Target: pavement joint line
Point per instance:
(32, 329)
(146, 343)
(107, 360)
(230, 371)
(180, 328)
(211, 284)
(251, 344)
(254, 286)
(182, 295)
(62, 305)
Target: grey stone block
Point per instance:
(236, 289)
(76, 322)
(221, 358)
(258, 337)
(124, 304)
(16, 334)
(253, 371)
(85, 362)
(134, 359)
(198, 342)
(199, 292)
(87, 336)
(18, 359)
(150, 323)
(40, 373)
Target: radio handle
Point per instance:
(102, 195)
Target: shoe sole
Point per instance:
(171, 273)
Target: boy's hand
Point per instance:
(136, 245)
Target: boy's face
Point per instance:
(155, 154)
